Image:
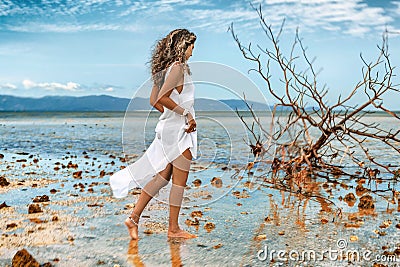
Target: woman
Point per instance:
(175, 143)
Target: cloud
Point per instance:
(109, 89)
(44, 27)
(70, 86)
(8, 86)
(352, 17)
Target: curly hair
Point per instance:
(169, 49)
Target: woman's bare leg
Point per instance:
(180, 171)
(160, 180)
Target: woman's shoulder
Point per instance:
(175, 67)
(175, 63)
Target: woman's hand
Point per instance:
(192, 124)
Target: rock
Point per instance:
(209, 226)
(385, 224)
(189, 222)
(102, 173)
(350, 199)
(260, 237)
(196, 213)
(34, 208)
(1, 156)
(148, 232)
(11, 226)
(398, 226)
(366, 202)
(22, 258)
(43, 198)
(353, 238)
(36, 220)
(53, 191)
(197, 182)
(3, 205)
(3, 181)
(380, 233)
(217, 182)
(323, 220)
(352, 225)
(281, 233)
(136, 191)
(72, 165)
(248, 184)
(360, 190)
(217, 246)
(268, 219)
(77, 174)
(242, 194)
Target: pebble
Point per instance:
(197, 182)
(34, 208)
(3, 181)
(209, 226)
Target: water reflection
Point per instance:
(134, 258)
(133, 254)
(175, 250)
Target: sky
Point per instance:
(93, 47)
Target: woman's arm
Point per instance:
(153, 99)
(174, 79)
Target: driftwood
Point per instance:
(308, 134)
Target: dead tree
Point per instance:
(308, 132)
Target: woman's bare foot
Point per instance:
(180, 234)
(132, 228)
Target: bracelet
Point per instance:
(185, 112)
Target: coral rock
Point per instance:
(197, 182)
(196, 213)
(43, 198)
(366, 202)
(23, 258)
(3, 205)
(34, 208)
(217, 182)
(3, 181)
(209, 226)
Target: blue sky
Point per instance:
(101, 46)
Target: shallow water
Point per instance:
(96, 141)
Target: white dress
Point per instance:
(169, 142)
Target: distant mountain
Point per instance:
(63, 103)
(110, 103)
